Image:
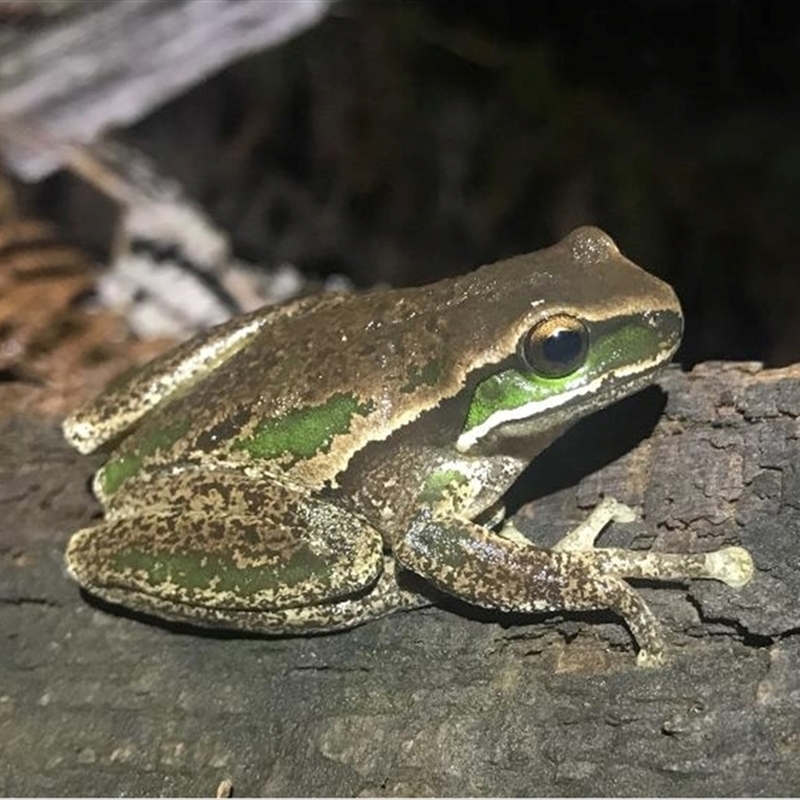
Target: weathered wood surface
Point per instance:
(442, 700)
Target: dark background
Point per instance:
(400, 142)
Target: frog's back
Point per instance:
(301, 388)
(128, 399)
(307, 388)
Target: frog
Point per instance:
(310, 466)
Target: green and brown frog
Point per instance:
(286, 471)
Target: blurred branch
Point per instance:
(111, 63)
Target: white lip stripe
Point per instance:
(469, 438)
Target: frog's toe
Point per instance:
(620, 512)
(731, 565)
(582, 538)
(651, 659)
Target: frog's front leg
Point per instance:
(731, 565)
(466, 560)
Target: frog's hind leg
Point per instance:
(228, 551)
(379, 599)
(383, 597)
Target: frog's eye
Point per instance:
(555, 346)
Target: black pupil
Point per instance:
(562, 346)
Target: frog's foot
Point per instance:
(597, 582)
(731, 565)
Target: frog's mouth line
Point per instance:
(566, 407)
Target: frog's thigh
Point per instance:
(380, 599)
(180, 562)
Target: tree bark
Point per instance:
(446, 700)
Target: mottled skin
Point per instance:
(287, 471)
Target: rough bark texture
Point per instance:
(442, 700)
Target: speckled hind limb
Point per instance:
(246, 569)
